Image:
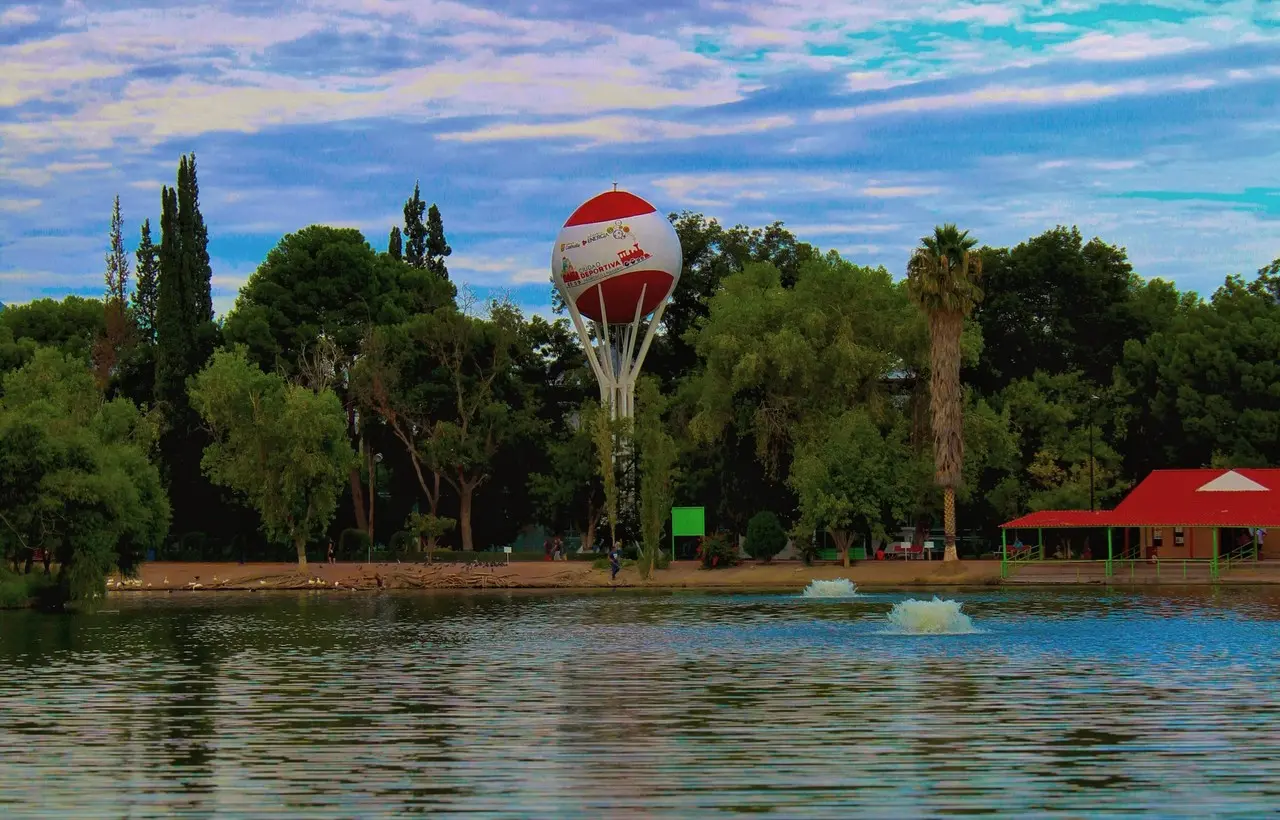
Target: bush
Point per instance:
(21, 591)
(353, 544)
(765, 536)
(718, 550)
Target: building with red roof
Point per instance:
(1190, 514)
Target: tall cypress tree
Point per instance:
(185, 337)
(415, 232)
(145, 283)
(395, 244)
(437, 247)
(171, 297)
(117, 261)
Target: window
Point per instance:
(1157, 538)
(1178, 536)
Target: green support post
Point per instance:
(1213, 562)
(1004, 553)
(1040, 539)
(1255, 545)
(1109, 552)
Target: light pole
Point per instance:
(1092, 399)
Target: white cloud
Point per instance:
(1132, 46)
(615, 130)
(18, 205)
(990, 14)
(498, 271)
(18, 16)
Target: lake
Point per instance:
(628, 704)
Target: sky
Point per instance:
(1154, 125)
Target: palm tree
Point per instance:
(942, 278)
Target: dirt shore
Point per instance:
(546, 575)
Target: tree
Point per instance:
(570, 490)
(942, 278)
(280, 446)
(486, 408)
(436, 246)
(307, 308)
(1055, 303)
(657, 454)
(850, 474)
(144, 293)
(75, 477)
(71, 326)
(395, 244)
(1201, 391)
(118, 330)
(415, 232)
(765, 536)
(605, 434)
(185, 337)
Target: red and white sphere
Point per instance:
(619, 251)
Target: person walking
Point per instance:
(331, 560)
(615, 563)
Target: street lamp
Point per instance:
(373, 503)
(1091, 400)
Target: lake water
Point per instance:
(619, 704)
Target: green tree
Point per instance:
(118, 322)
(1200, 391)
(765, 536)
(185, 337)
(395, 244)
(570, 490)
(657, 454)
(280, 446)
(942, 278)
(415, 231)
(1054, 303)
(436, 246)
(75, 477)
(307, 308)
(144, 293)
(849, 475)
(71, 325)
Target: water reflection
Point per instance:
(620, 704)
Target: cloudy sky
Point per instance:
(859, 123)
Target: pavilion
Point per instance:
(1178, 514)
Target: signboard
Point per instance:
(507, 550)
(687, 522)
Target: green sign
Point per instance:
(687, 521)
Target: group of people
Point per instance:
(553, 547)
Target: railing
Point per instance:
(1240, 555)
(1122, 569)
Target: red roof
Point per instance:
(1181, 498)
(1059, 519)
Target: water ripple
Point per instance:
(620, 705)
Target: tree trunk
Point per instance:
(357, 498)
(373, 493)
(465, 490)
(949, 523)
(300, 543)
(589, 533)
(843, 540)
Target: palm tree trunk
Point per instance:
(949, 523)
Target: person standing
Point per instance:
(331, 559)
(615, 563)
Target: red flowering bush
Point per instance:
(718, 550)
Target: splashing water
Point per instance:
(936, 617)
(839, 588)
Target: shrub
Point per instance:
(765, 536)
(18, 591)
(353, 544)
(718, 550)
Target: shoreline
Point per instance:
(167, 576)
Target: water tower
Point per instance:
(615, 262)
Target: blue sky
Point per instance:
(860, 124)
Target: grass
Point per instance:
(19, 591)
